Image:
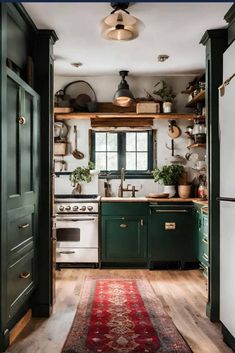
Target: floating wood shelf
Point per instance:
(195, 145)
(62, 110)
(200, 97)
(170, 116)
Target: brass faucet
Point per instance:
(121, 189)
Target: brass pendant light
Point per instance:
(120, 25)
(123, 96)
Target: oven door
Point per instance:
(77, 231)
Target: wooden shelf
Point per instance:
(195, 145)
(200, 97)
(62, 110)
(170, 116)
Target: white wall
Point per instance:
(105, 88)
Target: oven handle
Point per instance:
(76, 219)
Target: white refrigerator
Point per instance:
(227, 198)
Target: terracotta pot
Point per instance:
(184, 191)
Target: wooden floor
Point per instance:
(183, 294)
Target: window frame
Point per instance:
(121, 140)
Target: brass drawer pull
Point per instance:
(22, 120)
(171, 211)
(205, 257)
(205, 240)
(24, 226)
(24, 275)
(123, 225)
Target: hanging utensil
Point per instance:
(77, 154)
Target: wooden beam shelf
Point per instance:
(199, 98)
(195, 145)
(169, 116)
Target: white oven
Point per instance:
(77, 238)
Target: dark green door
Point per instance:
(22, 188)
(172, 234)
(124, 239)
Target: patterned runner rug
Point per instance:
(122, 316)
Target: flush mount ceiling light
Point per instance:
(120, 25)
(77, 65)
(162, 57)
(123, 97)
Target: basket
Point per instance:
(60, 148)
(79, 94)
(147, 107)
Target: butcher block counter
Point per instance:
(151, 199)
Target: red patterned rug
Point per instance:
(122, 316)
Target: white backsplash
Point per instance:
(145, 186)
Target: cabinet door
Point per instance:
(124, 238)
(172, 235)
(22, 185)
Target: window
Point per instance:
(111, 151)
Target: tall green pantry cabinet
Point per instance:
(21, 106)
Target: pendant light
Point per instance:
(120, 25)
(123, 97)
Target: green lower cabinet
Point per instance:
(172, 233)
(124, 239)
(124, 232)
(202, 232)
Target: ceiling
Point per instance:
(169, 28)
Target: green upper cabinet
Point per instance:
(124, 232)
(172, 233)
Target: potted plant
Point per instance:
(169, 176)
(166, 94)
(81, 174)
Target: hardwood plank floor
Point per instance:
(182, 293)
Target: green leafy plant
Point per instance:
(82, 174)
(165, 93)
(168, 174)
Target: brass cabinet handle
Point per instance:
(142, 222)
(22, 120)
(205, 240)
(205, 257)
(23, 226)
(123, 225)
(169, 211)
(24, 275)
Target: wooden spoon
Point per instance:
(77, 154)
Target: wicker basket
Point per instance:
(60, 148)
(147, 107)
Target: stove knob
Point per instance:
(68, 208)
(83, 208)
(90, 208)
(61, 208)
(75, 208)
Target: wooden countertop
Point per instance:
(151, 199)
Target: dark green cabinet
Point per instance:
(202, 235)
(124, 233)
(172, 233)
(124, 238)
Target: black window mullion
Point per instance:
(121, 150)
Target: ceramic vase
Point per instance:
(167, 107)
(169, 189)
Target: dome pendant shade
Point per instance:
(120, 33)
(123, 96)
